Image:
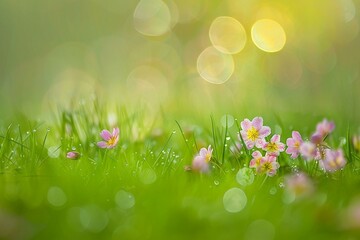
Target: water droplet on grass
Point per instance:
(234, 200)
(216, 182)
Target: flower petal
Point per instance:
(257, 123)
(203, 152)
(275, 138)
(115, 132)
(249, 144)
(290, 142)
(105, 134)
(264, 132)
(296, 136)
(256, 154)
(102, 144)
(246, 124)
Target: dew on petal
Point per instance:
(152, 18)
(227, 35)
(245, 176)
(268, 35)
(214, 66)
(234, 200)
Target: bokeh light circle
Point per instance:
(124, 200)
(234, 200)
(214, 66)
(245, 176)
(56, 196)
(227, 35)
(152, 18)
(268, 35)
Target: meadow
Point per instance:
(179, 119)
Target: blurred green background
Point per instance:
(146, 52)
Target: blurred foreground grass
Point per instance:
(140, 189)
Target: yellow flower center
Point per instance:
(252, 134)
(267, 167)
(272, 147)
(208, 157)
(111, 141)
(297, 145)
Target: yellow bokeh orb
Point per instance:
(227, 35)
(214, 66)
(268, 35)
(152, 18)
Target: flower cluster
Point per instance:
(254, 135)
(317, 149)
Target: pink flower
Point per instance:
(309, 151)
(73, 155)
(255, 162)
(254, 133)
(294, 144)
(323, 129)
(201, 161)
(274, 147)
(268, 165)
(334, 160)
(299, 185)
(110, 139)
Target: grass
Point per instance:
(139, 190)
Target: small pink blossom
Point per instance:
(268, 165)
(201, 161)
(294, 144)
(73, 155)
(334, 160)
(274, 147)
(309, 151)
(253, 132)
(323, 129)
(255, 162)
(110, 139)
(299, 185)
